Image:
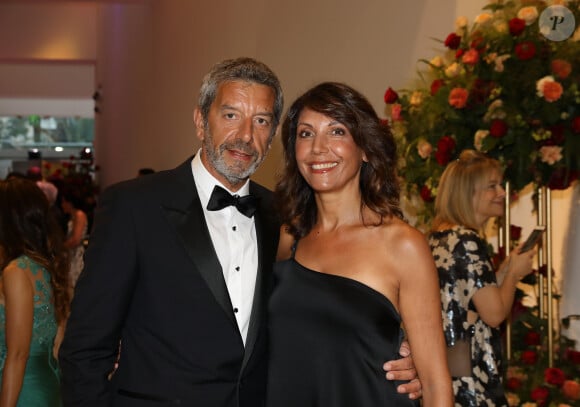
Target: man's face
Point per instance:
(238, 131)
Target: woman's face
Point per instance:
(489, 198)
(327, 156)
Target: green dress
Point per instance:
(41, 385)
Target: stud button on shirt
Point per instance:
(234, 238)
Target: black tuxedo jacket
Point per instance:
(152, 280)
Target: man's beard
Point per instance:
(236, 173)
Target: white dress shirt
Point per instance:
(234, 238)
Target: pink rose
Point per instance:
(551, 154)
(396, 109)
(424, 148)
(458, 97)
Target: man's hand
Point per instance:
(404, 369)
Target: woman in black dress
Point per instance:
(351, 270)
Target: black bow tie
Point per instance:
(220, 198)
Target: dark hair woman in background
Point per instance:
(34, 296)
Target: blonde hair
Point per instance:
(461, 178)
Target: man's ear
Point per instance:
(199, 124)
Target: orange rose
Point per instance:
(571, 389)
(471, 57)
(458, 97)
(549, 89)
(552, 91)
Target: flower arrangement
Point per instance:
(529, 379)
(500, 86)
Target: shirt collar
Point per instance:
(204, 181)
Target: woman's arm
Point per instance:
(420, 309)
(19, 303)
(79, 221)
(494, 303)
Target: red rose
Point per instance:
(513, 383)
(561, 178)
(532, 338)
(452, 41)
(391, 96)
(529, 357)
(576, 124)
(445, 147)
(437, 83)
(540, 393)
(478, 41)
(515, 232)
(426, 194)
(525, 50)
(517, 26)
(459, 53)
(498, 128)
(561, 68)
(573, 356)
(554, 376)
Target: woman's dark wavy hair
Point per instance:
(378, 180)
(28, 227)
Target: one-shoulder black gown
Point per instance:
(329, 338)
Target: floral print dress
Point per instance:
(464, 266)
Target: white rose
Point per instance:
(528, 14)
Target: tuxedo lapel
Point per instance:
(189, 223)
(267, 239)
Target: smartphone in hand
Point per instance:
(533, 239)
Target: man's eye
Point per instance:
(230, 115)
(263, 122)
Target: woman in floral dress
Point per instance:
(474, 300)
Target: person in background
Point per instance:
(474, 302)
(77, 231)
(351, 270)
(34, 298)
(178, 266)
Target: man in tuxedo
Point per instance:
(176, 272)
